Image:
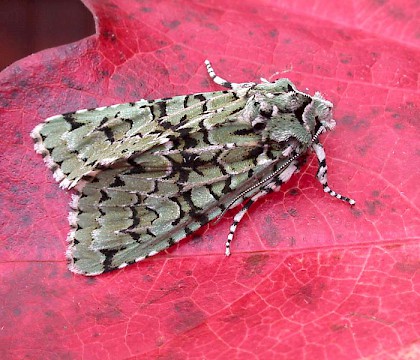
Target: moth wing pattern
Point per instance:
(149, 173)
(81, 143)
(123, 216)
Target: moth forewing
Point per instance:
(149, 173)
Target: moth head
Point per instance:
(318, 114)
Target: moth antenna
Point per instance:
(227, 84)
(217, 79)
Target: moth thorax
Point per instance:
(265, 112)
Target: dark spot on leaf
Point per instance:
(91, 280)
(372, 206)
(186, 316)
(109, 35)
(294, 191)
(310, 294)
(172, 24)
(338, 327)
(271, 234)
(356, 212)
(211, 26)
(27, 219)
(397, 13)
(408, 268)
(254, 265)
(196, 238)
(69, 82)
(345, 58)
(17, 311)
(292, 241)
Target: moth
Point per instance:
(146, 174)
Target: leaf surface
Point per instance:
(309, 277)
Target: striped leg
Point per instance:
(273, 185)
(322, 174)
(218, 80)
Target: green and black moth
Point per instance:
(146, 174)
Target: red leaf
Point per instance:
(309, 277)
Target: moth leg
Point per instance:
(220, 81)
(266, 189)
(322, 173)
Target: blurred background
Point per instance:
(28, 26)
